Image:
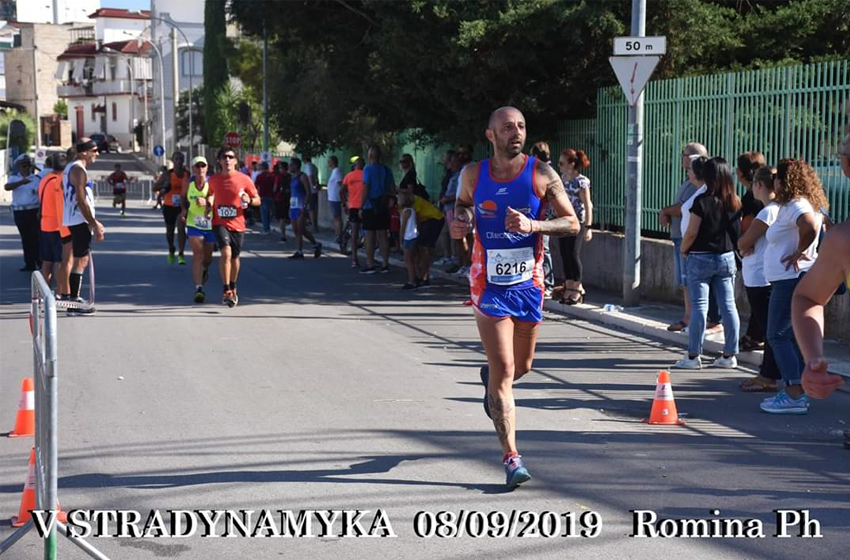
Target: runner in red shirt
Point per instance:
(118, 180)
(230, 194)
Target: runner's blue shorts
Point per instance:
(525, 304)
(207, 234)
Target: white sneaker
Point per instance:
(723, 362)
(688, 363)
(463, 272)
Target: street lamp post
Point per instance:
(161, 99)
(191, 72)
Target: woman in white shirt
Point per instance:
(752, 246)
(25, 204)
(791, 250)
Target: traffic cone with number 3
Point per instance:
(25, 420)
(664, 405)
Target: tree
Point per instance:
(215, 65)
(61, 108)
(441, 66)
(10, 115)
(198, 114)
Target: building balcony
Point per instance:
(74, 90)
(116, 87)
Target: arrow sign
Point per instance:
(633, 72)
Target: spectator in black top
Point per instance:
(410, 181)
(541, 151)
(748, 164)
(709, 243)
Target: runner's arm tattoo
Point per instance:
(566, 223)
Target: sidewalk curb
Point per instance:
(621, 320)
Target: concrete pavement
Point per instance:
(328, 389)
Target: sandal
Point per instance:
(747, 344)
(759, 384)
(572, 300)
(678, 326)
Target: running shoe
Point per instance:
(516, 472)
(408, 287)
(199, 295)
(425, 285)
(297, 255)
(181, 259)
(688, 363)
(484, 374)
(462, 272)
(235, 298)
(79, 307)
(123, 215)
(228, 299)
(369, 270)
(385, 269)
(452, 269)
(783, 403)
(170, 258)
(206, 275)
(317, 251)
(726, 363)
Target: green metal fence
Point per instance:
(794, 111)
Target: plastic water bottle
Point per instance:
(611, 308)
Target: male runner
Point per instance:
(300, 189)
(198, 225)
(172, 183)
(118, 180)
(78, 217)
(230, 192)
(505, 197)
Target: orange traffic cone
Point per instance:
(664, 406)
(25, 420)
(28, 498)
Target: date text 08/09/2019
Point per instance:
(426, 524)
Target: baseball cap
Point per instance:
(199, 159)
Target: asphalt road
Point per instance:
(325, 389)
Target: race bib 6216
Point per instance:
(507, 267)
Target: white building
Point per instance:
(186, 16)
(51, 11)
(106, 76)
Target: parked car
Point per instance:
(106, 143)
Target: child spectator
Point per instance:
(408, 226)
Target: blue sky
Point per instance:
(126, 4)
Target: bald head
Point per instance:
(501, 114)
(506, 131)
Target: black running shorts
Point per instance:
(226, 238)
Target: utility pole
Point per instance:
(634, 168)
(36, 112)
(265, 98)
(175, 82)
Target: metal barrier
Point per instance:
(45, 362)
(136, 190)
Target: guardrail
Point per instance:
(45, 344)
(139, 189)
